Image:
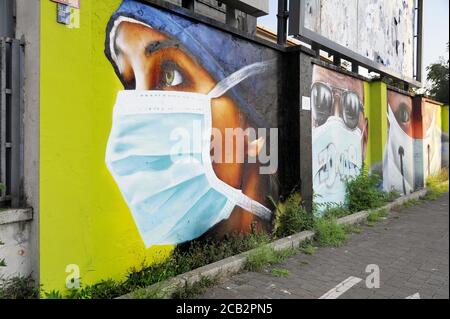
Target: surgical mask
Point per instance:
(400, 153)
(337, 157)
(432, 149)
(174, 197)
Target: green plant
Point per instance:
(376, 215)
(362, 192)
(330, 233)
(54, 294)
(437, 185)
(291, 217)
(391, 196)
(267, 255)
(18, 288)
(352, 229)
(336, 211)
(279, 272)
(308, 249)
(192, 291)
(410, 203)
(183, 259)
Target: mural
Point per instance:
(431, 138)
(445, 137)
(403, 150)
(181, 83)
(339, 133)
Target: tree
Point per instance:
(438, 76)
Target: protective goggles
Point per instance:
(323, 98)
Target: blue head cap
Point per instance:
(220, 53)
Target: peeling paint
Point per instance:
(380, 30)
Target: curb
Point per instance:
(235, 264)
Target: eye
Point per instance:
(403, 115)
(170, 75)
(351, 106)
(321, 102)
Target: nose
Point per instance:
(336, 104)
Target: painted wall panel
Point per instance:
(114, 194)
(339, 133)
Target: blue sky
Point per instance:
(436, 25)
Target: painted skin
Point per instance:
(150, 60)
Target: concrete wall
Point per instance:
(27, 27)
(16, 248)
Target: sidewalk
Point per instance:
(411, 248)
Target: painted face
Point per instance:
(147, 59)
(339, 135)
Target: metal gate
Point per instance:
(11, 121)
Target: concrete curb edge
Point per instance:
(235, 264)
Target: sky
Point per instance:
(436, 25)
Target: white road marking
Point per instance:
(415, 296)
(341, 288)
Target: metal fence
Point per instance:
(11, 121)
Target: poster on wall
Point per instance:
(186, 85)
(377, 33)
(339, 133)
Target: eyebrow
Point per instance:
(159, 45)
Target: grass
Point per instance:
(196, 289)
(18, 288)
(279, 272)
(411, 203)
(330, 233)
(267, 255)
(183, 259)
(308, 249)
(353, 229)
(437, 185)
(377, 215)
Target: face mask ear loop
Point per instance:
(234, 79)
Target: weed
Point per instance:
(267, 255)
(19, 288)
(54, 294)
(377, 215)
(196, 289)
(279, 272)
(291, 217)
(353, 229)
(308, 249)
(437, 185)
(363, 192)
(330, 233)
(410, 203)
(336, 211)
(184, 259)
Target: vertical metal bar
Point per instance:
(419, 40)
(282, 22)
(16, 125)
(7, 18)
(3, 117)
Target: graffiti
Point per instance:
(339, 134)
(174, 81)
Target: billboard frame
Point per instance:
(298, 30)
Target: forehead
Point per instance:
(337, 80)
(395, 99)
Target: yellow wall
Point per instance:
(83, 219)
